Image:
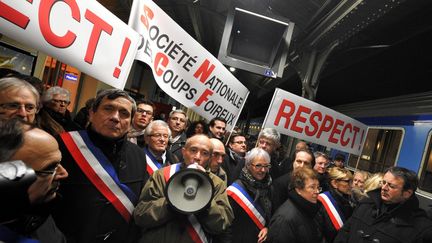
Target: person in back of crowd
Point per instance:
(161, 223)
(143, 116)
(269, 140)
(322, 161)
(106, 174)
(372, 183)
(217, 159)
(335, 205)
(82, 117)
(18, 98)
(156, 136)
(281, 186)
(360, 177)
(390, 213)
(295, 220)
(55, 102)
(20, 140)
(250, 198)
(217, 127)
(234, 161)
(177, 122)
(197, 127)
(338, 161)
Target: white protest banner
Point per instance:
(183, 68)
(83, 34)
(304, 119)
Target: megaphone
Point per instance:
(189, 191)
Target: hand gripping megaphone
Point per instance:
(189, 191)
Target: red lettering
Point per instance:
(335, 130)
(13, 16)
(356, 130)
(148, 14)
(203, 97)
(314, 123)
(99, 25)
(325, 127)
(281, 113)
(345, 142)
(204, 70)
(299, 117)
(44, 23)
(160, 59)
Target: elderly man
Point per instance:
(18, 98)
(38, 150)
(234, 161)
(106, 174)
(322, 161)
(156, 137)
(217, 127)
(143, 116)
(217, 159)
(390, 213)
(177, 122)
(269, 140)
(160, 223)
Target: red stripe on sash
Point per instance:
(330, 213)
(246, 209)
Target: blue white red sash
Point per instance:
(239, 194)
(333, 211)
(194, 229)
(152, 164)
(99, 170)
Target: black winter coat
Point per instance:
(232, 164)
(84, 214)
(406, 223)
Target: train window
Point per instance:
(425, 182)
(380, 150)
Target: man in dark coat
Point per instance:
(177, 122)
(106, 174)
(234, 160)
(390, 214)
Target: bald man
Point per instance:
(217, 159)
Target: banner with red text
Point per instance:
(304, 119)
(183, 68)
(82, 34)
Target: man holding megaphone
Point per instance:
(164, 209)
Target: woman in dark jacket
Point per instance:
(335, 205)
(295, 220)
(250, 199)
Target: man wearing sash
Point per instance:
(156, 137)
(106, 174)
(160, 223)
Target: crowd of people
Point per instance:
(102, 176)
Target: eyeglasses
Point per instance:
(260, 166)
(315, 188)
(240, 142)
(61, 101)
(142, 111)
(391, 186)
(345, 180)
(49, 171)
(30, 108)
(159, 136)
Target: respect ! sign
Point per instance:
(304, 119)
(80, 33)
(183, 68)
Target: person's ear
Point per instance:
(407, 193)
(333, 183)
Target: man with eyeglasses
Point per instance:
(390, 213)
(106, 174)
(18, 98)
(156, 136)
(160, 223)
(177, 122)
(39, 150)
(217, 159)
(322, 162)
(143, 116)
(55, 117)
(235, 159)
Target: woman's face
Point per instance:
(199, 129)
(343, 185)
(259, 168)
(310, 191)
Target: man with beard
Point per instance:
(143, 116)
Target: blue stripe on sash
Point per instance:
(335, 205)
(151, 156)
(244, 192)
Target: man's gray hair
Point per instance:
(149, 129)
(272, 134)
(113, 94)
(55, 90)
(7, 84)
(178, 111)
(254, 153)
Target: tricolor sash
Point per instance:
(240, 195)
(99, 170)
(332, 209)
(152, 164)
(194, 228)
